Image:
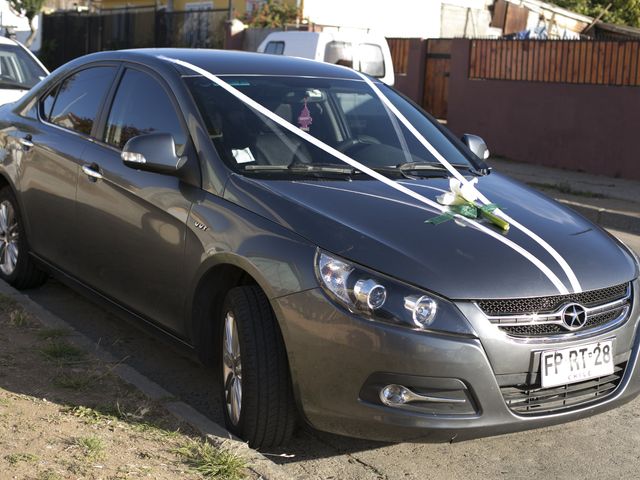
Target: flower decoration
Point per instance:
(461, 200)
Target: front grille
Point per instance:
(519, 306)
(534, 400)
(545, 316)
(545, 329)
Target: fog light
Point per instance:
(394, 395)
(423, 309)
(370, 293)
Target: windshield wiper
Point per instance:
(414, 166)
(427, 169)
(302, 168)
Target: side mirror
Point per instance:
(479, 148)
(477, 145)
(153, 152)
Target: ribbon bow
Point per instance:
(461, 200)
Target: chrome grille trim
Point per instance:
(529, 400)
(550, 324)
(517, 306)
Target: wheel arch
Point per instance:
(7, 181)
(216, 277)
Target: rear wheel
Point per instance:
(256, 386)
(16, 265)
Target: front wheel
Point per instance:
(256, 385)
(16, 265)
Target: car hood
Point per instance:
(376, 226)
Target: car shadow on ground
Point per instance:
(175, 371)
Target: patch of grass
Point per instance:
(62, 351)
(19, 318)
(77, 381)
(48, 475)
(565, 187)
(7, 303)
(92, 446)
(89, 415)
(15, 458)
(145, 427)
(52, 333)
(211, 462)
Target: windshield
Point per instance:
(344, 114)
(18, 69)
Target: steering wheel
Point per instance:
(347, 144)
(359, 140)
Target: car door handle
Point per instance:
(92, 172)
(26, 142)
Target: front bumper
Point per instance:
(333, 355)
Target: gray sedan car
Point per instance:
(336, 255)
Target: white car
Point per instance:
(367, 52)
(19, 70)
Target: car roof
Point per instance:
(227, 62)
(351, 35)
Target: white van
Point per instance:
(366, 52)
(19, 70)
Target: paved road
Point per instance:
(602, 447)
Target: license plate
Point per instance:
(576, 364)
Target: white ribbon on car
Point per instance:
(395, 185)
(575, 284)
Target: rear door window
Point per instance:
(339, 53)
(47, 103)
(141, 106)
(18, 68)
(79, 99)
(371, 59)
(274, 48)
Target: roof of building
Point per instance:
(538, 4)
(618, 30)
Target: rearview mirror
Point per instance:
(479, 148)
(153, 152)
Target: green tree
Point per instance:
(622, 12)
(28, 9)
(274, 14)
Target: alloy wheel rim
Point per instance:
(9, 234)
(232, 368)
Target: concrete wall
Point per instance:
(587, 128)
(7, 17)
(405, 18)
(397, 18)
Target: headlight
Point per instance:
(378, 297)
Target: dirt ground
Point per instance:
(64, 415)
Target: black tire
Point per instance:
(26, 273)
(267, 413)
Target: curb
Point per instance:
(214, 433)
(606, 218)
